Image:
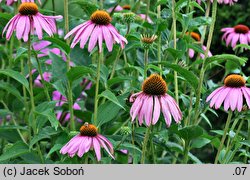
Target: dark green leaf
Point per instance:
(17, 76)
(78, 72)
(59, 43)
(225, 57)
(188, 75)
(110, 96)
(18, 149)
(45, 133)
(190, 132)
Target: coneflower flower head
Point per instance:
(230, 2)
(87, 139)
(129, 17)
(231, 94)
(237, 33)
(148, 40)
(153, 99)
(97, 30)
(28, 21)
(10, 2)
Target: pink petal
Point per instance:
(157, 110)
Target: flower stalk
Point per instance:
(70, 94)
(145, 143)
(202, 72)
(230, 114)
(98, 75)
(175, 46)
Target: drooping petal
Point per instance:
(97, 148)
(157, 110)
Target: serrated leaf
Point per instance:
(19, 148)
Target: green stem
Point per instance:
(53, 7)
(43, 81)
(145, 143)
(32, 99)
(232, 142)
(230, 114)
(70, 94)
(145, 62)
(159, 40)
(202, 72)
(186, 150)
(175, 46)
(98, 71)
(115, 63)
(31, 86)
(101, 4)
(147, 11)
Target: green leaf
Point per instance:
(55, 148)
(110, 96)
(20, 52)
(45, 133)
(78, 72)
(59, 67)
(17, 76)
(50, 115)
(176, 54)
(11, 89)
(117, 80)
(200, 142)
(88, 6)
(18, 149)
(225, 57)
(107, 112)
(190, 132)
(188, 75)
(59, 43)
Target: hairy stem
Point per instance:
(145, 143)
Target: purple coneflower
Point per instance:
(230, 2)
(231, 94)
(46, 76)
(28, 21)
(148, 104)
(197, 38)
(64, 117)
(10, 2)
(87, 139)
(97, 29)
(237, 33)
